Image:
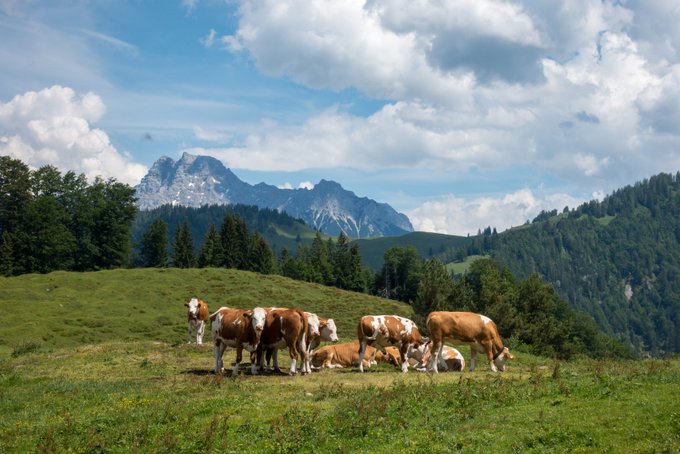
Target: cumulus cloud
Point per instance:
(53, 126)
(572, 88)
(459, 216)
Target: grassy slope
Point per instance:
(64, 309)
(129, 383)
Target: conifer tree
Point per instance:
(211, 250)
(154, 246)
(183, 247)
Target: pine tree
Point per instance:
(434, 288)
(154, 246)
(183, 247)
(211, 254)
(6, 259)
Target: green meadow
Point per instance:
(98, 362)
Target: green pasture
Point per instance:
(97, 362)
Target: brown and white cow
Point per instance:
(237, 328)
(326, 332)
(313, 332)
(476, 330)
(285, 328)
(197, 316)
(451, 359)
(341, 355)
(383, 330)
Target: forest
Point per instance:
(617, 259)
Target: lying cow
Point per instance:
(383, 330)
(285, 328)
(236, 328)
(478, 331)
(342, 355)
(451, 359)
(197, 316)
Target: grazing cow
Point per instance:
(197, 315)
(451, 359)
(478, 331)
(236, 328)
(383, 330)
(341, 355)
(285, 328)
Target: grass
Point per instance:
(462, 267)
(116, 382)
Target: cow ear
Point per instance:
(186, 304)
(248, 314)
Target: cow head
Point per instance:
(500, 360)
(419, 351)
(328, 331)
(256, 317)
(192, 308)
(313, 322)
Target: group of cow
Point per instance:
(381, 338)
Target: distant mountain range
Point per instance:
(194, 181)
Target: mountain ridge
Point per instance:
(194, 181)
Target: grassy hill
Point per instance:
(64, 309)
(97, 362)
(427, 244)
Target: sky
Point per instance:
(461, 114)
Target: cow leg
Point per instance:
(362, 351)
(219, 351)
(189, 332)
(488, 349)
(292, 350)
(435, 353)
(304, 357)
(473, 358)
(259, 357)
(403, 353)
(199, 332)
(239, 357)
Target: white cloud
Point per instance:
(572, 88)
(210, 136)
(458, 216)
(306, 185)
(209, 39)
(53, 126)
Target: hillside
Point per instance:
(427, 244)
(64, 309)
(278, 229)
(618, 260)
(97, 362)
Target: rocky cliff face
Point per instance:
(199, 180)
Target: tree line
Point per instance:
(50, 221)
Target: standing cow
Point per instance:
(285, 328)
(478, 331)
(237, 328)
(197, 316)
(326, 332)
(383, 330)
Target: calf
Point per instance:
(197, 315)
(385, 330)
(478, 331)
(285, 328)
(341, 355)
(236, 328)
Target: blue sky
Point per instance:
(460, 114)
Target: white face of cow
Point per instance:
(313, 322)
(257, 319)
(329, 332)
(193, 307)
(502, 358)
